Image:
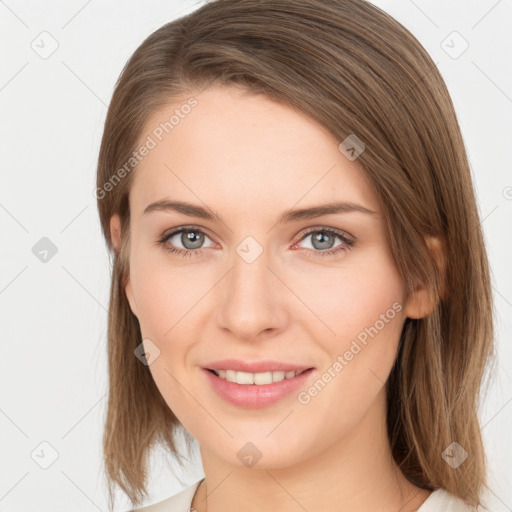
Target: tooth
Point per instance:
(244, 378)
(231, 375)
(277, 376)
(263, 378)
(247, 378)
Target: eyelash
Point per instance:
(346, 246)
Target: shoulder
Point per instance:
(442, 501)
(180, 502)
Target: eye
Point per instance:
(191, 238)
(322, 240)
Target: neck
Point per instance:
(355, 474)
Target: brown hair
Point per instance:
(356, 70)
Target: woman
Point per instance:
(300, 281)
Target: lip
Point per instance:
(255, 366)
(252, 396)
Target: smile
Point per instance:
(257, 379)
(255, 390)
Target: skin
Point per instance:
(289, 305)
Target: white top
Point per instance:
(438, 501)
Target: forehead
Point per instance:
(240, 148)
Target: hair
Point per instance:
(357, 71)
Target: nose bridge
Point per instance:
(250, 300)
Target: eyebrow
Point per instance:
(292, 215)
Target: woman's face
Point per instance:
(260, 284)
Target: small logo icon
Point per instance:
(147, 352)
(44, 250)
(45, 45)
(44, 455)
(249, 454)
(249, 249)
(454, 455)
(352, 147)
(454, 45)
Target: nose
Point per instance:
(252, 300)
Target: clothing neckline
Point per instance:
(436, 498)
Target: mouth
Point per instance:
(256, 379)
(256, 390)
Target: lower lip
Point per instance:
(252, 396)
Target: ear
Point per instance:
(115, 235)
(115, 232)
(419, 304)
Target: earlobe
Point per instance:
(420, 304)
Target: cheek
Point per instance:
(368, 310)
(163, 297)
(349, 298)
(361, 309)
(163, 294)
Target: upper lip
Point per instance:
(255, 366)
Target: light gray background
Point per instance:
(53, 368)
